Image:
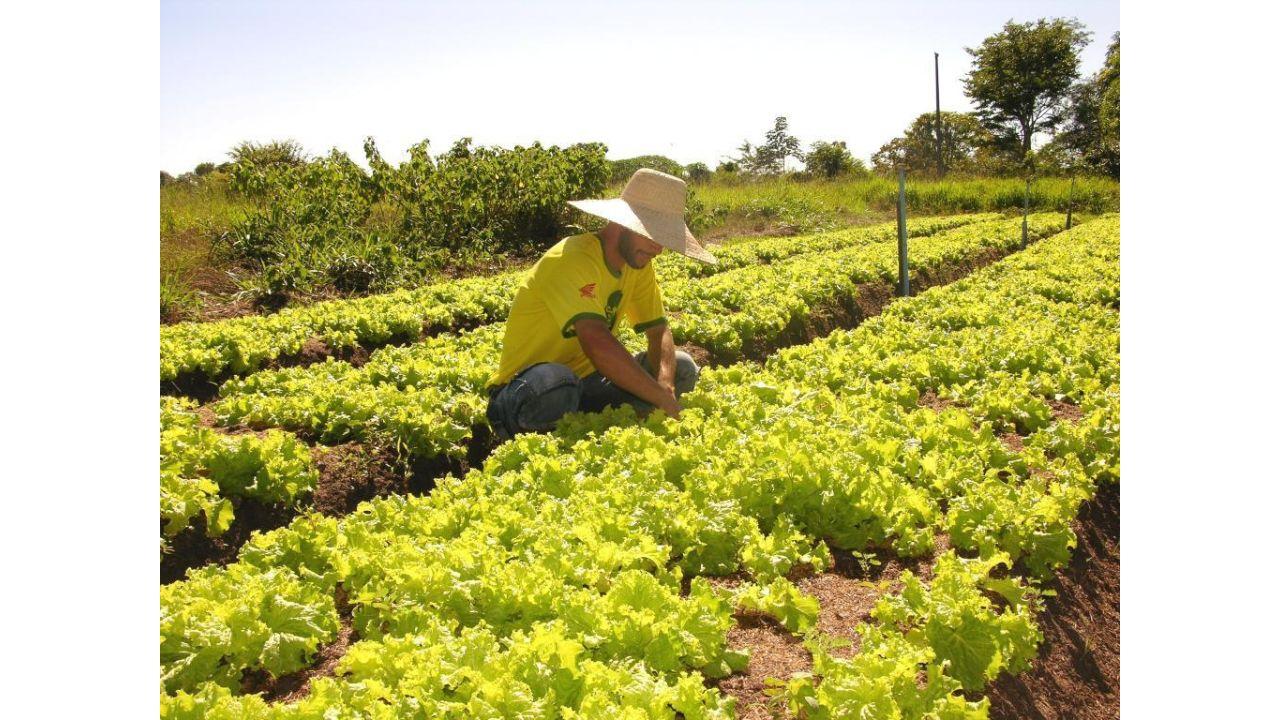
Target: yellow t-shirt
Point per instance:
(570, 282)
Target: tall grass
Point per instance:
(877, 194)
(208, 208)
(191, 218)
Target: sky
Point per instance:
(689, 80)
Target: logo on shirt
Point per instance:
(587, 291)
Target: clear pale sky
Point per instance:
(690, 80)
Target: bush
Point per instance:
(275, 153)
(490, 198)
(697, 172)
(832, 159)
(328, 222)
(621, 170)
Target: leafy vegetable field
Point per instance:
(241, 345)
(428, 400)
(600, 570)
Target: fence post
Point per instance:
(1071, 196)
(1026, 207)
(904, 280)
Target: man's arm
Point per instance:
(662, 355)
(613, 361)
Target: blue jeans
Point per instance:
(541, 394)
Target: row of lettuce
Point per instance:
(567, 578)
(242, 345)
(201, 470)
(428, 398)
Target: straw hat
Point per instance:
(652, 204)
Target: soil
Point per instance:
(1077, 675)
(1066, 410)
(349, 475)
(946, 274)
(847, 593)
(701, 356)
(930, 399)
(1013, 441)
(775, 653)
(192, 549)
(296, 686)
(352, 473)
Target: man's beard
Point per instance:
(631, 255)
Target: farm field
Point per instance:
(844, 523)
(426, 401)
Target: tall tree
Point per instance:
(1090, 138)
(771, 156)
(1109, 106)
(780, 145)
(1022, 76)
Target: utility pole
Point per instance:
(904, 277)
(937, 116)
(1071, 196)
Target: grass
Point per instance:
(780, 205)
(208, 208)
(192, 217)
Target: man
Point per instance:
(559, 353)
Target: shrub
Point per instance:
(274, 153)
(832, 159)
(622, 170)
(328, 222)
(697, 172)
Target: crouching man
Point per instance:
(559, 353)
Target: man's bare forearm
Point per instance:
(662, 355)
(613, 361)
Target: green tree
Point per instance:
(771, 156)
(1090, 138)
(832, 159)
(697, 172)
(1109, 106)
(967, 147)
(1022, 77)
(780, 145)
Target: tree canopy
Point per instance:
(832, 159)
(771, 156)
(1090, 139)
(1022, 76)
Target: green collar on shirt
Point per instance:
(605, 260)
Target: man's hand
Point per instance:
(613, 361)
